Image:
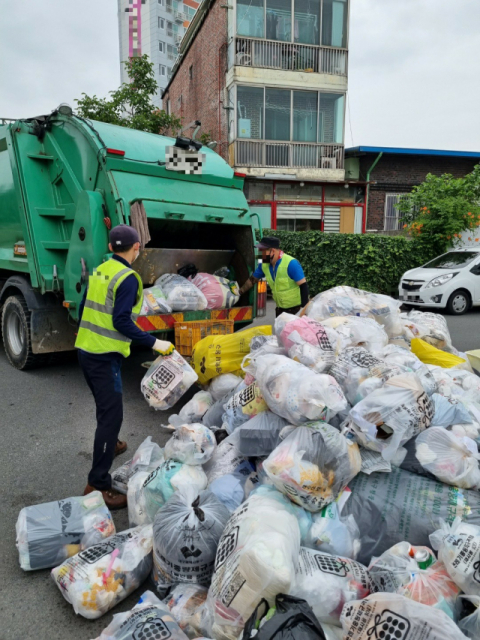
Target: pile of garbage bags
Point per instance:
(323, 483)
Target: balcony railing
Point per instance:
(264, 153)
(269, 54)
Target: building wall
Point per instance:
(399, 173)
(197, 90)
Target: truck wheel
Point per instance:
(459, 302)
(16, 335)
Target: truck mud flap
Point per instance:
(51, 331)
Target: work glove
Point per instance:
(164, 347)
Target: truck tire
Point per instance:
(16, 335)
(459, 302)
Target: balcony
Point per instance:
(288, 56)
(180, 17)
(295, 155)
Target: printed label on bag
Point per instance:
(467, 558)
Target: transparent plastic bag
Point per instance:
(243, 406)
(430, 327)
(348, 301)
(260, 435)
(393, 354)
(48, 534)
(146, 458)
(397, 571)
(225, 459)
(451, 459)
(219, 292)
(391, 415)
(149, 619)
(468, 613)
(448, 411)
(458, 547)
(192, 444)
(224, 384)
(194, 410)
(230, 488)
(328, 582)
(313, 465)
(356, 331)
(394, 617)
(296, 393)
(256, 558)
(304, 518)
(182, 295)
(167, 380)
(154, 302)
(333, 533)
(310, 343)
(185, 602)
(98, 578)
(186, 532)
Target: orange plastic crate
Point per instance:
(187, 334)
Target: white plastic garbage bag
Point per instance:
(304, 518)
(191, 444)
(48, 534)
(347, 301)
(354, 331)
(329, 582)
(150, 619)
(310, 343)
(448, 411)
(220, 293)
(167, 380)
(146, 458)
(137, 509)
(225, 459)
(393, 354)
(243, 406)
(185, 603)
(186, 532)
(391, 415)
(182, 295)
(154, 302)
(389, 616)
(430, 327)
(230, 489)
(96, 579)
(468, 608)
(458, 547)
(260, 435)
(399, 570)
(223, 384)
(193, 410)
(256, 558)
(313, 465)
(453, 460)
(296, 393)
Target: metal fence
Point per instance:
(251, 52)
(263, 153)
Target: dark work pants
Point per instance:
(292, 310)
(103, 376)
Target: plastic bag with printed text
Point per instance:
(243, 406)
(96, 579)
(149, 619)
(225, 459)
(221, 385)
(154, 302)
(348, 301)
(215, 355)
(167, 380)
(297, 393)
(219, 292)
(313, 465)
(310, 343)
(388, 417)
(48, 534)
(390, 616)
(192, 444)
(186, 532)
(354, 331)
(393, 354)
(146, 458)
(181, 294)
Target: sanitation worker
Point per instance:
(113, 294)
(284, 275)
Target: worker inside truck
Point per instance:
(113, 294)
(284, 275)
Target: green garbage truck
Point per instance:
(65, 181)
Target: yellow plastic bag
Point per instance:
(215, 355)
(431, 355)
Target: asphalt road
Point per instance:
(47, 418)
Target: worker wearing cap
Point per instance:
(284, 275)
(113, 294)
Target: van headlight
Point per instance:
(438, 281)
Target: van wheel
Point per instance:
(16, 335)
(459, 302)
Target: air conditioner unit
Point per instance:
(328, 163)
(180, 16)
(178, 39)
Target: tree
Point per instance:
(131, 104)
(440, 209)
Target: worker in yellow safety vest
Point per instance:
(284, 275)
(114, 293)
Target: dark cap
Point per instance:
(267, 242)
(123, 236)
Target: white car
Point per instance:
(450, 281)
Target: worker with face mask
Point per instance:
(114, 293)
(284, 275)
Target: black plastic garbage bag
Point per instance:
(292, 620)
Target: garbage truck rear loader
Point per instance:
(64, 181)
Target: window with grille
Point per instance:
(392, 214)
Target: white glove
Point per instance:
(163, 346)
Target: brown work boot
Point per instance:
(113, 498)
(120, 447)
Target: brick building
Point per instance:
(268, 81)
(395, 172)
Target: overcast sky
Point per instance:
(414, 76)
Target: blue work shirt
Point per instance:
(125, 300)
(294, 271)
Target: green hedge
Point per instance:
(370, 262)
